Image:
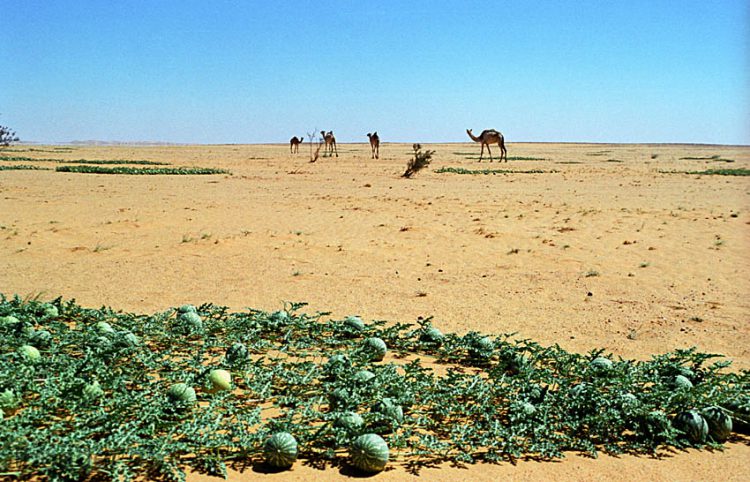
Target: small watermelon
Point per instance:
(104, 328)
(50, 311)
(187, 309)
(431, 335)
(600, 364)
(363, 376)
(682, 382)
(375, 347)
(279, 318)
(354, 323)
(9, 321)
(280, 450)
(482, 348)
(127, 339)
(220, 380)
(237, 354)
(352, 422)
(8, 401)
(369, 453)
(182, 394)
(719, 423)
(29, 353)
(693, 424)
(338, 398)
(189, 322)
(389, 409)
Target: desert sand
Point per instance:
(605, 248)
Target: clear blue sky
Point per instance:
(261, 71)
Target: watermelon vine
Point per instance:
(96, 392)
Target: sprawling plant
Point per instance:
(121, 395)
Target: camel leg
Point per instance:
(377, 151)
(503, 151)
(489, 152)
(335, 149)
(481, 153)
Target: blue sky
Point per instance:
(262, 71)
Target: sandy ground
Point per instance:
(604, 249)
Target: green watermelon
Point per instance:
(8, 401)
(280, 450)
(354, 323)
(431, 335)
(482, 348)
(600, 364)
(352, 422)
(189, 322)
(719, 423)
(393, 412)
(369, 453)
(50, 311)
(182, 395)
(187, 309)
(104, 328)
(375, 348)
(29, 353)
(9, 321)
(363, 376)
(237, 354)
(682, 382)
(693, 424)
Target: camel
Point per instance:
(330, 142)
(294, 144)
(374, 145)
(487, 137)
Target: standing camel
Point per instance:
(330, 142)
(374, 145)
(487, 137)
(294, 144)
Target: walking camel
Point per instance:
(294, 143)
(330, 142)
(374, 145)
(487, 137)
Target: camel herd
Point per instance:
(487, 137)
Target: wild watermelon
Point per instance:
(354, 323)
(8, 401)
(104, 328)
(352, 422)
(682, 382)
(182, 395)
(29, 353)
(600, 364)
(375, 348)
(92, 391)
(719, 423)
(369, 453)
(390, 410)
(431, 335)
(219, 380)
(280, 450)
(693, 424)
(363, 376)
(237, 354)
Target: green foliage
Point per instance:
(23, 167)
(461, 170)
(143, 170)
(101, 401)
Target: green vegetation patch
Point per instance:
(141, 170)
(714, 172)
(461, 170)
(83, 161)
(714, 158)
(23, 167)
(126, 395)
